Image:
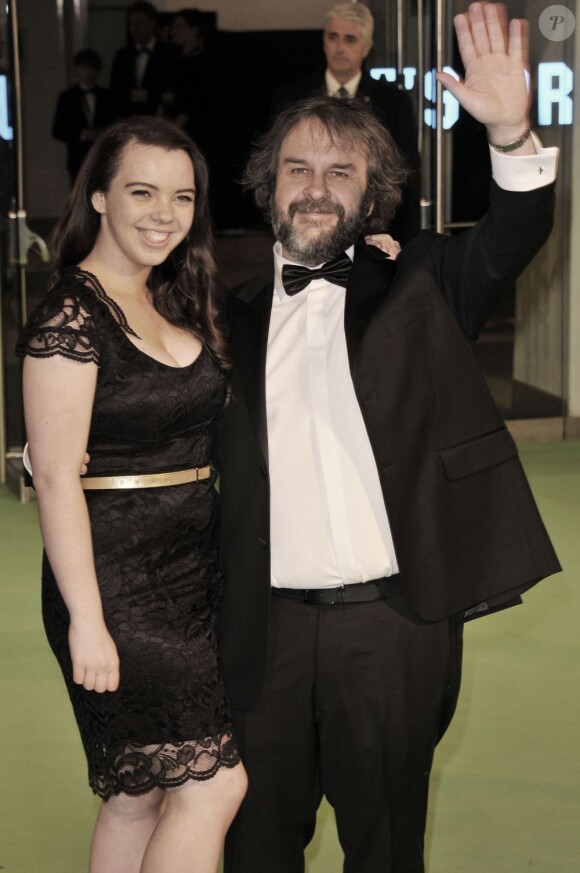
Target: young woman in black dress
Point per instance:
(126, 355)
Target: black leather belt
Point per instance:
(358, 592)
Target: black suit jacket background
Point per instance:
(158, 78)
(70, 120)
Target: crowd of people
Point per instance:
(149, 76)
(179, 78)
(228, 667)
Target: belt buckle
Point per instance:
(329, 596)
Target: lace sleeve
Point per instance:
(63, 324)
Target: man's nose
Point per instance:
(316, 186)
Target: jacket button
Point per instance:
(263, 543)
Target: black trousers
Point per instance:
(355, 699)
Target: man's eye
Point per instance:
(299, 171)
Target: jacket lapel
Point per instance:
(371, 275)
(249, 324)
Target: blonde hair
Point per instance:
(355, 12)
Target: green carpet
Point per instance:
(505, 794)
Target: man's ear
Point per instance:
(98, 202)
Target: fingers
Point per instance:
(78, 674)
(518, 45)
(451, 83)
(97, 680)
(484, 30)
(478, 22)
(385, 243)
(467, 49)
(497, 26)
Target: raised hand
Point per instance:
(495, 57)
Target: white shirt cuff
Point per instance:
(525, 172)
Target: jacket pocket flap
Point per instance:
(399, 319)
(478, 454)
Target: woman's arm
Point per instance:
(58, 402)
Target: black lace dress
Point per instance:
(155, 551)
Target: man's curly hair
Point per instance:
(349, 124)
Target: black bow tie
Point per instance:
(295, 278)
(142, 50)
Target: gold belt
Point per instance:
(146, 480)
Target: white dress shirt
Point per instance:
(333, 86)
(142, 60)
(328, 521)
(89, 105)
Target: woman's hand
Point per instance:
(385, 243)
(94, 655)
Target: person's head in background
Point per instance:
(186, 31)
(348, 38)
(142, 22)
(87, 65)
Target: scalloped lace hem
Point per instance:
(137, 769)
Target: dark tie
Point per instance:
(296, 278)
(342, 92)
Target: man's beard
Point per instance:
(311, 250)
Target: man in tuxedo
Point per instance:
(143, 70)
(82, 111)
(371, 493)
(348, 39)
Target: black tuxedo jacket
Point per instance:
(158, 78)
(464, 523)
(394, 110)
(70, 120)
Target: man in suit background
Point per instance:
(82, 111)
(371, 494)
(348, 39)
(143, 70)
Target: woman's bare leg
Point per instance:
(122, 831)
(190, 834)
